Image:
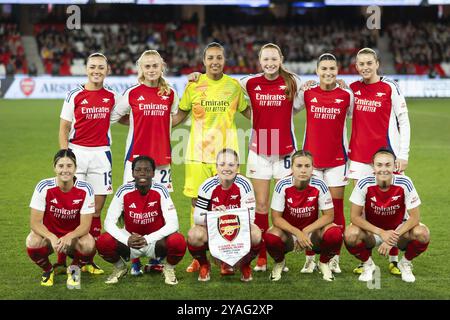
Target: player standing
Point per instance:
(61, 215)
(273, 99)
(385, 213)
(85, 129)
(327, 106)
(150, 224)
(226, 190)
(214, 100)
(380, 118)
(296, 202)
(150, 105)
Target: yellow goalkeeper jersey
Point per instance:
(213, 104)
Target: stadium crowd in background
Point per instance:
(422, 48)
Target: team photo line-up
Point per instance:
(142, 221)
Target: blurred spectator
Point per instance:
(32, 70)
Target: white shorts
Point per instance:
(95, 167)
(357, 170)
(163, 175)
(147, 251)
(267, 167)
(379, 240)
(333, 177)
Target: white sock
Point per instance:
(404, 258)
(369, 261)
(336, 257)
(311, 258)
(168, 266)
(393, 258)
(119, 264)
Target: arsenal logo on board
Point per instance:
(229, 226)
(27, 86)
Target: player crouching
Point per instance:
(385, 213)
(296, 202)
(227, 190)
(150, 225)
(61, 215)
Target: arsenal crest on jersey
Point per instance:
(229, 226)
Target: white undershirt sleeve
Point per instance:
(112, 217)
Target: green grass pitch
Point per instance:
(29, 139)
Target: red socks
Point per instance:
(107, 248)
(414, 248)
(275, 246)
(331, 243)
(262, 221)
(339, 218)
(393, 251)
(62, 258)
(176, 248)
(81, 259)
(40, 257)
(199, 253)
(360, 251)
(96, 227)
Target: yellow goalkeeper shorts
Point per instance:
(196, 173)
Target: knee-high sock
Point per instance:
(262, 221)
(96, 227)
(107, 248)
(275, 246)
(360, 251)
(339, 217)
(40, 257)
(199, 253)
(176, 248)
(331, 243)
(62, 258)
(415, 248)
(254, 251)
(80, 259)
(393, 251)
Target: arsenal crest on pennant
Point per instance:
(229, 226)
